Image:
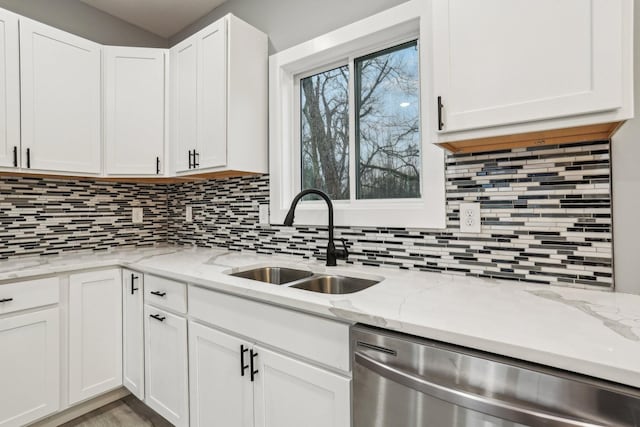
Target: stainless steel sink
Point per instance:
(335, 284)
(274, 275)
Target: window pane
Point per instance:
(324, 100)
(387, 128)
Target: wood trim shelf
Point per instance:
(136, 180)
(586, 133)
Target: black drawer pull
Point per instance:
(6, 299)
(133, 279)
(157, 317)
(253, 371)
(242, 365)
(158, 293)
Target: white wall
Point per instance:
(290, 22)
(626, 188)
(83, 20)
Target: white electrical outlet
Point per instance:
(263, 215)
(188, 216)
(137, 215)
(470, 218)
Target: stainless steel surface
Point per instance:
(334, 284)
(404, 381)
(274, 275)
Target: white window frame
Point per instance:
(408, 21)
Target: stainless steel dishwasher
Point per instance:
(404, 381)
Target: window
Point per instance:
(348, 116)
(387, 127)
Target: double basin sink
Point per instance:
(307, 280)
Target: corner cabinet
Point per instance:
(530, 67)
(61, 101)
(219, 100)
(9, 90)
(133, 332)
(134, 117)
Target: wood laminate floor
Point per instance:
(126, 412)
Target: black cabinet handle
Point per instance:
(28, 158)
(159, 294)
(242, 365)
(253, 355)
(190, 162)
(157, 317)
(440, 106)
(196, 159)
(157, 165)
(133, 279)
(6, 299)
(15, 156)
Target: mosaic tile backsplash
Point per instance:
(546, 214)
(48, 216)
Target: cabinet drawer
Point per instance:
(29, 294)
(165, 293)
(315, 338)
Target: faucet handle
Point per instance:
(344, 252)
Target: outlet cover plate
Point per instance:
(263, 214)
(470, 218)
(137, 215)
(188, 217)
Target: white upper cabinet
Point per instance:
(61, 100)
(9, 90)
(134, 101)
(504, 62)
(212, 102)
(219, 99)
(184, 102)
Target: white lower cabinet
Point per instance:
(29, 366)
(220, 394)
(95, 333)
(291, 393)
(237, 382)
(166, 370)
(133, 332)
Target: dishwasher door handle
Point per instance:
(506, 410)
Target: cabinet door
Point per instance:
(166, 372)
(290, 393)
(498, 62)
(133, 332)
(134, 92)
(61, 100)
(212, 96)
(29, 367)
(95, 333)
(9, 90)
(184, 101)
(219, 394)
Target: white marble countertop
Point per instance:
(590, 332)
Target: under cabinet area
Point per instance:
(219, 99)
(134, 117)
(95, 333)
(531, 72)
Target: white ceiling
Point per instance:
(161, 17)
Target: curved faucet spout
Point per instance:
(332, 252)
